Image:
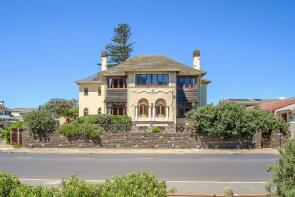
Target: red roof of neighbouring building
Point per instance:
(277, 105)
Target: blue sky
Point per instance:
(247, 47)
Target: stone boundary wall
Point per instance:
(141, 140)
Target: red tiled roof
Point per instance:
(277, 105)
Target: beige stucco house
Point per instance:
(152, 89)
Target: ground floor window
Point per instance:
(143, 107)
(182, 108)
(116, 108)
(160, 107)
(86, 112)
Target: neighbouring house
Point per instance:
(284, 108)
(21, 112)
(250, 103)
(152, 89)
(5, 116)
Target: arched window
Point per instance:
(99, 111)
(86, 111)
(160, 107)
(143, 107)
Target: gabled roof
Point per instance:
(151, 63)
(90, 79)
(277, 104)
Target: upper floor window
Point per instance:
(152, 79)
(117, 82)
(186, 82)
(99, 91)
(85, 91)
(86, 112)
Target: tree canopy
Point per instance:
(120, 49)
(230, 120)
(40, 123)
(59, 107)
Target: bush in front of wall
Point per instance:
(40, 123)
(156, 130)
(230, 120)
(77, 130)
(108, 122)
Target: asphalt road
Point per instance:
(187, 172)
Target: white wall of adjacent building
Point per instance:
(92, 101)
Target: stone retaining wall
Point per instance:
(140, 140)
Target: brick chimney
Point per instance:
(196, 60)
(104, 60)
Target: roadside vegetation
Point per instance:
(40, 123)
(90, 127)
(5, 134)
(230, 120)
(131, 185)
(283, 170)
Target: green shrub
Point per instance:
(40, 123)
(83, 130)
(108, 122)
(24, 190)
(7, 184)
(156, 130)
(232, 120)
(120, 119)
(5, 134)
(131, 185)
(75, 187)
(92, 119)
(134, 185)
(72, 113)
(283, 179)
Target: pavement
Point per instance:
(186, 170)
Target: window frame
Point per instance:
(86, 111)
(143, 107)
(147, 80)
(86, 91)
(112, 85)
(116, 108)
(160, 106)
(99, 91)
(183, 108)
(184, 83)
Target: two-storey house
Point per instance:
(152, 89)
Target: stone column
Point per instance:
(154, 112)
(167, 113)
(136, 113)
(150, 112)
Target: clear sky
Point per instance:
(247, 47)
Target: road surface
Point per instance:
(186, 172)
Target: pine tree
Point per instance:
(120, 49)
